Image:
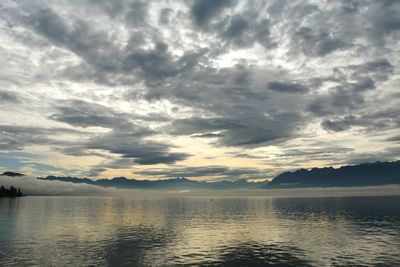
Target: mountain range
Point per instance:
(367, 174)
(176, 183)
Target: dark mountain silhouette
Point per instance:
(12, 192)
(367, 174)
(12, 174)
(176, 183)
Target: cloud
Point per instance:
(140, 151)
(137, 14)
(123, 77)
(127, 150)
(8, 97)
(85, 114)
(353, 83)
(316, 44)
(388, 154)
(394, 138)
(373, 121)
(13, 137)
(287, 87)
(77, 36)
(241, 131)
(126, 139)
(102, 58)
(236, 27)
(220, 172)
(204, 10)
(244, 30)
(341, 125)
(157, 63)
(207, 135)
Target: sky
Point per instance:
(205, 89)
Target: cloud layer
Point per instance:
(107, 89)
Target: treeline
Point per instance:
(12, 192)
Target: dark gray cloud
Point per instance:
(165, 16)
(207, 135)
(395, 138)
(235, 105)
(383, 20)
(103, 59)
(341, 125)
(248, 155)
(85, 114)
(316, 44)
(353, 83)
(203, 10)
(8, 97)
(319, 153)
(378, 69)
(79, 37)
(127, 145)
(241, 131)
(89, 114)
(126, 139)
(13, 137)
(124, 150)
(137, 14)
(327, 27)
(374, 121)
(287, 87)
(237, 26)
(158, 63)
(244, 30)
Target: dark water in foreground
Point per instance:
(72, 231)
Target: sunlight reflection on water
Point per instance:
(82, 231)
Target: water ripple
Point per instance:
(39, 231)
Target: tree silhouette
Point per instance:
(12, 192)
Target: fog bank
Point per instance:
(31, 186)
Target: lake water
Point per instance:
(256, 231)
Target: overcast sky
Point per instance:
(206, 89)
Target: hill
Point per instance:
(176, 183)
(12, 174)
(367, 174)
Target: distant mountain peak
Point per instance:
(174, 183)
(120, 178)
(12, 174)
(365, 174)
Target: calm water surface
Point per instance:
(88, 231)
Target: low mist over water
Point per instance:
(31, 186)
(113, 231)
